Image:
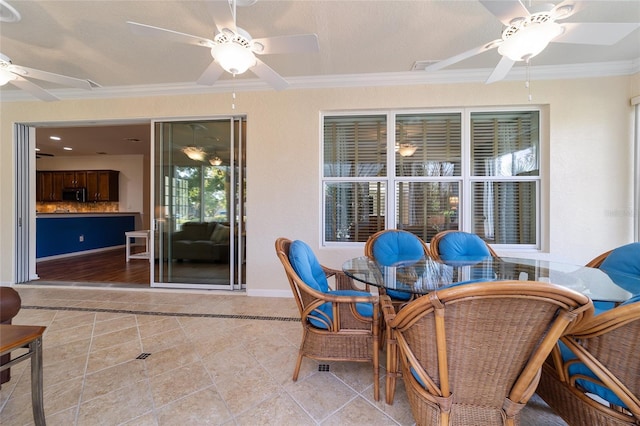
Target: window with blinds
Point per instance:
(432, 175)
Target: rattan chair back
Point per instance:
(435, 243)
(347, 335)
(471, 354)
(371, 241)
(609, 345)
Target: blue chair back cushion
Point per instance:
(579, 368)
(393, 247)
(462, 246)
(307, 266)
(626, 261)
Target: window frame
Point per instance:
(465, 180)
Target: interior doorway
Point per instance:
(25, 173)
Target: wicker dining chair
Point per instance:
(601, 357)
(624, 260)
(453, 245)
(391, 246)
(337, 325)
(472, 354)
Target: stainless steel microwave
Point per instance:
(74, 194)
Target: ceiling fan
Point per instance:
(528, 33)
(21, 76)
(232, 48)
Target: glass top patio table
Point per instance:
(426, 274)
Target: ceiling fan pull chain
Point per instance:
(527, 84)
(233, 93)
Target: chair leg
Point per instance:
(392, 367)
(298, 364)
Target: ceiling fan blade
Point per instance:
(222, 14)
(505, 10)
(301, 43)
(601, 33)
(566, 8)
(211, 74)
(462, 56)
(267, 74)
(33, 88)
(148, 30)
(62, 80)
(501, 70)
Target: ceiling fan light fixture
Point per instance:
(233, 57)
(194, 152)
(528, 40)
(215, 160)
(407, 149)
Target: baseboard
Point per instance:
(79, 253)
(269, 293)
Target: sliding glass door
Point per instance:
(198, 204)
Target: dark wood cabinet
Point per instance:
(49, 186)
(102, 185)
(75, 179)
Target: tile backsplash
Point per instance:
(73, 207)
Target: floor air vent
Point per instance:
(143, 355)
(323, 367)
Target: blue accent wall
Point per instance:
(61, 235)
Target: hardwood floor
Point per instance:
(104, 267)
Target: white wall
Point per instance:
(590, 161)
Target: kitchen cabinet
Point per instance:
(75, 179)
(102, 185)
(49, 186)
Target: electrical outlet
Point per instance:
(81, 238)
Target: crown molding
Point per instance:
(519, 73)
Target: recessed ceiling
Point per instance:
(130, 139)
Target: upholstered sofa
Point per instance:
(204, 241)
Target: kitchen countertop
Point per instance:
(83, 214)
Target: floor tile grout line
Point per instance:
(168, 314)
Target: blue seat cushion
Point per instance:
(462, 246)
(626, 261)
(579, 368)
(634, 299)
(393, 247)
(364, 309)
(307, 266)
(415, 376)
(399, 295)
(602, 306)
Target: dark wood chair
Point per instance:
(10, 304)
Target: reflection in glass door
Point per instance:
(199, 218)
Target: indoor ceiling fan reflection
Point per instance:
(193, 151)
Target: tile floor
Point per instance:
(212, 359)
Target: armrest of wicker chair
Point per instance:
(598, 356)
